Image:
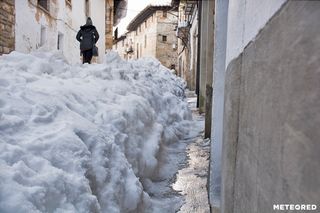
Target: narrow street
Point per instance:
(191, 179)
(184, 188)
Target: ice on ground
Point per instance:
(85, 138)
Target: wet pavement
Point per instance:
(191, 179)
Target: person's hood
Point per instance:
(89, 21)
(84, 27)
(88, 24)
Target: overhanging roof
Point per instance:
(175, 3)
(144, 14)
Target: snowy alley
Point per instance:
(159, 106)
(105, 137)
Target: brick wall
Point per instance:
(7, 22)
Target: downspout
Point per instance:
(198, 53)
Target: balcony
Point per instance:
(189, 6)
(183, 29)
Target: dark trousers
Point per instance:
(87, 56)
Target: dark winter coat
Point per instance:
(87, 36)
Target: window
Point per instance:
(137, 50)
(87, 8)
(164, 38)
(140, 29)
(60, 41)
(145, 41)
(42, 35)
(145, 24)
(44, 4)
(164, 14)
(140, 50)
(122, 43)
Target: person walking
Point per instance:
(88, 37)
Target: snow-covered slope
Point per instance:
(84, 138)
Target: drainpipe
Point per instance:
(198, 54)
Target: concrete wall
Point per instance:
(245, 19)
(271, 113)
(7, 20)
(220, 41)
(237, 22)
(61, 18)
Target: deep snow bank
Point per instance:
(84, 138)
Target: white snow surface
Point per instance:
(85, 138)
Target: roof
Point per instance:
(144, 14)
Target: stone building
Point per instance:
(151, 34)
(52, 25)
(7, 22)
(195, 48)
(187, 33)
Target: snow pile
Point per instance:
(85, 138)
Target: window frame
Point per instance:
(60, 41)
(43, 36)
(40, 5)
(164, 38)
(145, 41)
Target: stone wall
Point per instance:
(7, 22)
(166, 27)
(147, 39)
(109, 24)
(271, 115)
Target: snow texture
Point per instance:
(85, 138)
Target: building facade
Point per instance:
(151, 34)
(195, 49)
(267, 56)
(187, 33)
(51, 25)
(261, 61)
